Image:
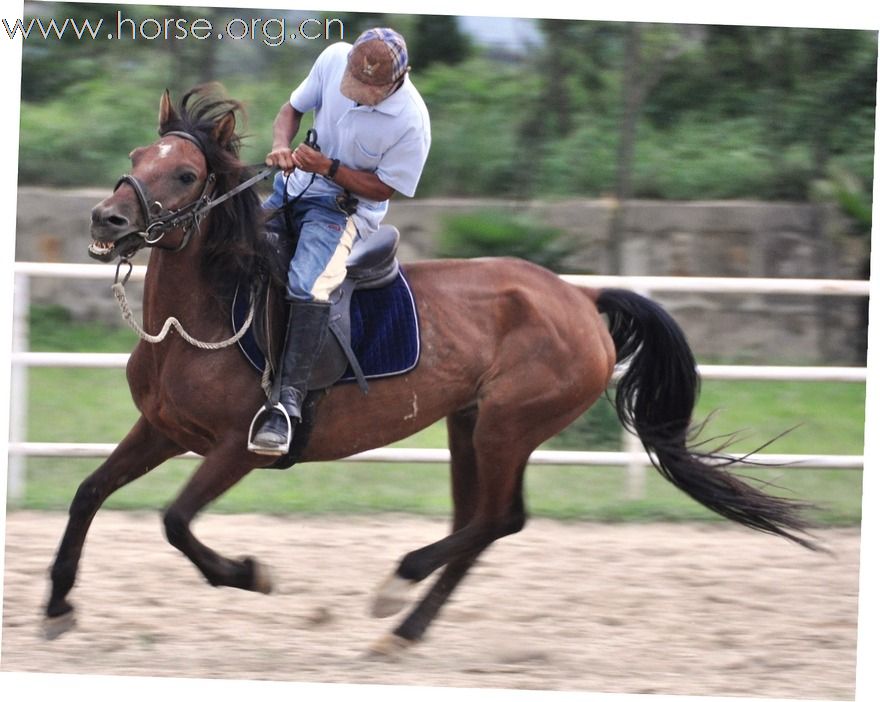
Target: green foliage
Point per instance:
(503, 233)
(436, 39)
(847, 192)
(84, 137)
(475, 143)
(727, 112)
(581, 162)
(676, 161)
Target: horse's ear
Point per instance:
(224, 130)
(166, 110)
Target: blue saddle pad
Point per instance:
(384, 331)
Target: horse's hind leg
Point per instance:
(393, 594)
(138, 453)
(413, 628)
(468, 540)
(220, 470)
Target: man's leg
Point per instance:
(317, 269)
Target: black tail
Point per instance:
(655, 399)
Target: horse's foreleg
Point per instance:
(138, 453)
(221, 469)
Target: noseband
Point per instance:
(159, 221)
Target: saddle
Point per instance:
(372, 265)
(373, 326)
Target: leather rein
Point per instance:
(159, 221)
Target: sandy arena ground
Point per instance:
(673, 609)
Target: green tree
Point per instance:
(436, 39)
(649, 52)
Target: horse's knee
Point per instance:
(176, 527)
(87, 499)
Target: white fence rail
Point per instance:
(631, 458)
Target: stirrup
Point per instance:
(283, 448)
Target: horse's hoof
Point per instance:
(53, 627)
(261, 577)
(387, 647)
(392, 596)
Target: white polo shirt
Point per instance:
(390, 139)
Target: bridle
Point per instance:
(158, 221)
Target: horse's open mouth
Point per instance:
(102, 250)
(105, 251)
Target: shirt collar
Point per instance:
(392, 105)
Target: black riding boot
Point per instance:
(307, 328)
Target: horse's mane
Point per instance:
(235, 247)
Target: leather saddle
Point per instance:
(372, 264)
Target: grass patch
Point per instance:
(52, 329)
(807, 417)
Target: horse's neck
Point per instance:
(176, 287)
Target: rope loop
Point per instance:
(119, 293)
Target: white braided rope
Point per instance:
(119, 293)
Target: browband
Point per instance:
(186, 135)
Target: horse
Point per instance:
(510, 355)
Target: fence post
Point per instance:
(18, 411)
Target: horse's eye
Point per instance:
(187, 178)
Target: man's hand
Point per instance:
(311, 161)
(281, 157)
(284, 128)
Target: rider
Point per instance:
(374, 134)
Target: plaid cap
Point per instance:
(377, 61)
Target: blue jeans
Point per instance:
(326, 235)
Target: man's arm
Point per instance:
(361, 183)
(284, 129)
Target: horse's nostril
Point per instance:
(106, 216)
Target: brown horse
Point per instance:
(510, 355)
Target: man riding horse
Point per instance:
(375, 134)
(513, 353)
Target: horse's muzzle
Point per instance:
(113, 234)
